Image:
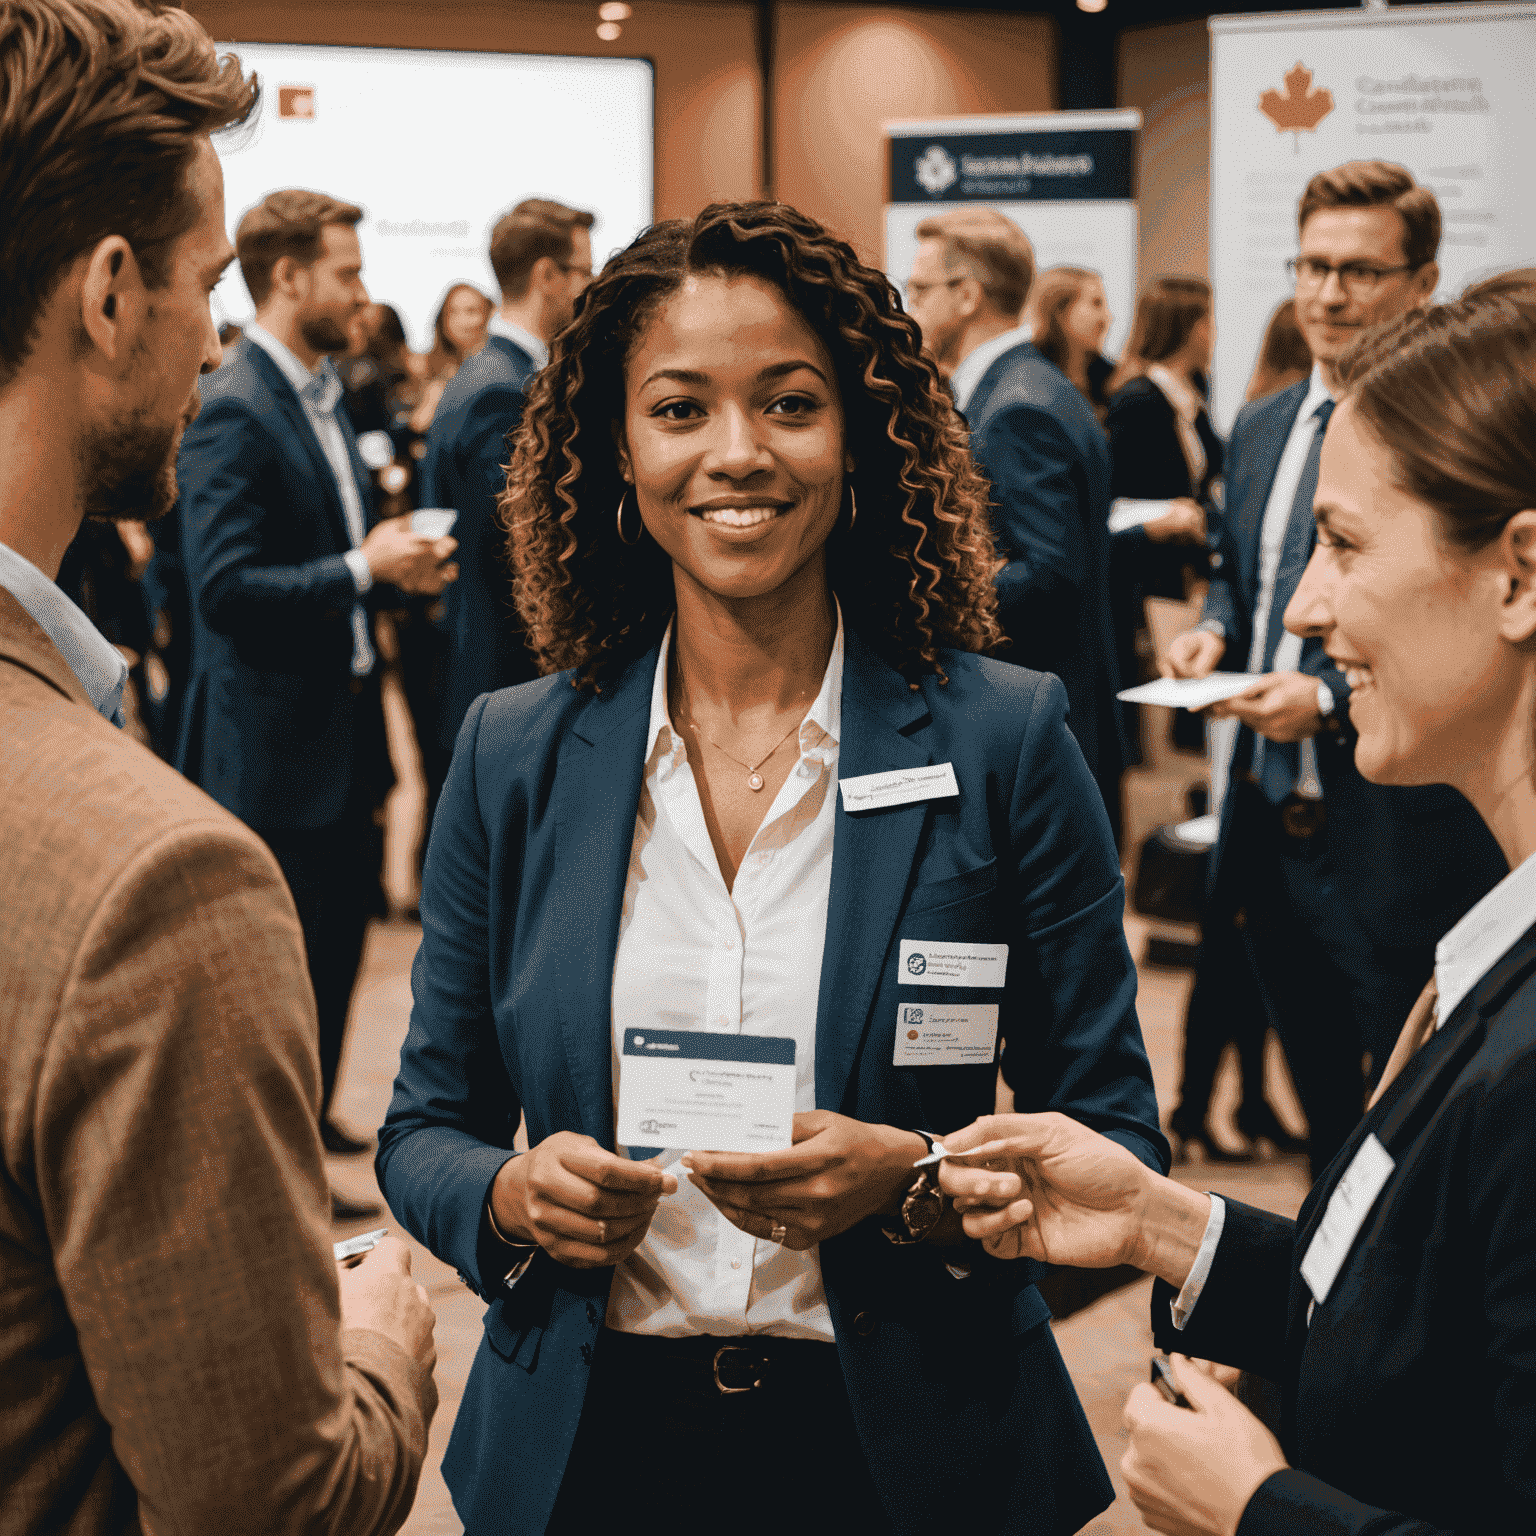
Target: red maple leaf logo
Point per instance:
(1299, 107)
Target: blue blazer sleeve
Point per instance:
(1030, 461)
(455, 1109)
(1091, 1062)
(226, 455)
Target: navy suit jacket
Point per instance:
(964, 1411)
(275, 727)
(1409, 1404)
(1407, 861)
(464, 469)
(1039, 444)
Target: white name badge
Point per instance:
(707, 1092)
(1348, 1206)
(940, 963)
(945, 1034)
(899, 786)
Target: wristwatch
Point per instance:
(924, 1206)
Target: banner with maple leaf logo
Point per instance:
(1449, 91)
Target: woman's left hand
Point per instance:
(1193, 1470)
(838, 1172)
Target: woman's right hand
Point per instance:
(582, 1204)
(1046, 1187)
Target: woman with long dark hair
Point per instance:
(1069, 313)
(768, 787)
(1398, 1312)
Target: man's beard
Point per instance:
(128, 470)
(324, 335)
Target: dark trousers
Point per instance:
(660, 1448)
(1225, 1005)
(1309, 961)
(333, 873)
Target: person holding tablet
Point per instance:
(768, 804)
(1398, 1312)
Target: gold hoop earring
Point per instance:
(619, 520)
(853, 508)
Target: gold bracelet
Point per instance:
(511, 1242)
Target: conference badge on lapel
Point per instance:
(898, 786)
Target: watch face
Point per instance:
(922, 1210)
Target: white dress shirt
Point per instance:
(1186, 403)
(95, 661)
(320, 393)
(968, 372)
(694, 955)
(536, 349)
(1277, 514)
(1462, 958)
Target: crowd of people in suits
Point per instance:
(745, 545)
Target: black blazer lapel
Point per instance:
(872, 855)
(1270, 429)
(597, 793)
(308, 444)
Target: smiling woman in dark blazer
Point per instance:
(1398, 1312)
(753, 557)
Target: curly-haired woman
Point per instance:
(753, 556)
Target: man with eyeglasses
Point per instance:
(1037, 441)
(541, 254)
(1340, 887)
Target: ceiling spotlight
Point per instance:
(614, 10)
(1093, 7)
(608, 30)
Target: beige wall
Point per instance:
(1165, 71)
(707, 97)
(842, 70)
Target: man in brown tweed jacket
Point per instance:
(179, 1352)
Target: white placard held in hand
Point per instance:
(706, 1092)
(1191, 692)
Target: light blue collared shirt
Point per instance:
(96, 662)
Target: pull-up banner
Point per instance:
(1066, 178)
(1449, 91)
(1038, 167)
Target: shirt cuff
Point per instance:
(362, 574)
(1184, 1303)
(1325, 702)
(1211, 627)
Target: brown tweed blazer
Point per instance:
(170, 1350)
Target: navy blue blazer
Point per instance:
(1039, 444)
(964, 1410)
(1408, 861)
(464, 468)
(1409, 1404)
(275, 727)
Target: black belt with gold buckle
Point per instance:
(747, 1369)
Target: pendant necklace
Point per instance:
(754, 778)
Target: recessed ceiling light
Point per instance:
(1092, 6)
(608, 30)
(614, 10)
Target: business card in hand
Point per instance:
(706, 1092)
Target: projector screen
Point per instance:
(435, 147)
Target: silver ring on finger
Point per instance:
(778, 1234)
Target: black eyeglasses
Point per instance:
(567, 267)
(1358, 279)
